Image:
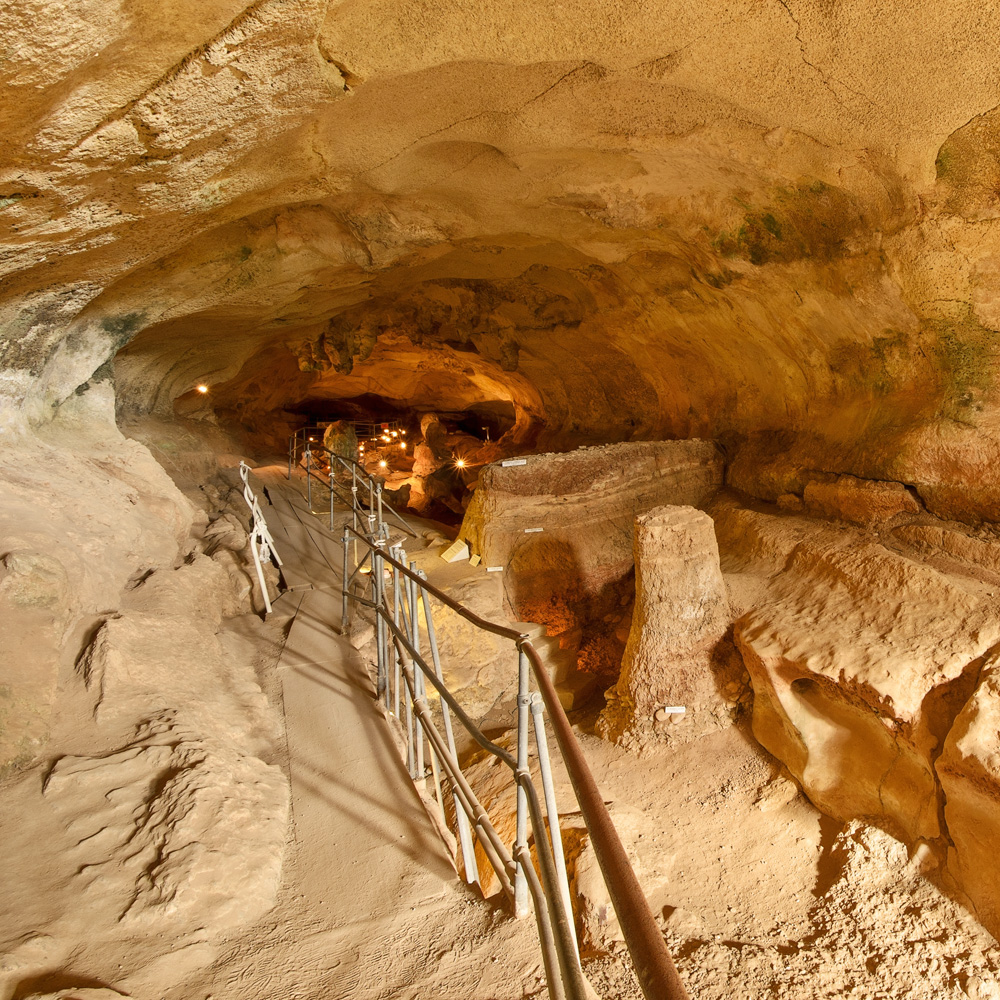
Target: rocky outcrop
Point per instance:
(969, 771)
(681, 613)
(561, 525)
(857, 658)
(875, 677)
(179, 831)
(859, 501)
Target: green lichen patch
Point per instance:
(811, 220)
(123, 328)
(965, 353)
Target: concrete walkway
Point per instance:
(358, 819)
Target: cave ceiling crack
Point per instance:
(174, 71)
(827, 80)
(478, 114)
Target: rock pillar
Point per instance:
(681, 613)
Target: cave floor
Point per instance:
(758, 894)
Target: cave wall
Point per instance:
(773, 225)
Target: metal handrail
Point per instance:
(375, 502)
(261, 543)
(654, 967)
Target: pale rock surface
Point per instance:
(969, 771)
(856, 659)
(859, 501)
(953, 542)
(681, 613)
(180, 832)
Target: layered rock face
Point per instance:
(560, 525)
(776, 227)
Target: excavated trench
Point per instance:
(727, 280)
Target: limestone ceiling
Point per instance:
(627, 219)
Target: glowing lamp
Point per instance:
(202, 389)
(459, 463)
(383, 464)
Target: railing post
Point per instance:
(331, 496)
(345, 614)
(378, 590)
(291, 452)
(309, 482)
(378, 496)
(523, 711)
(411, 606)
(418, 674)
(462, 821)
(548, 790)
(371, 507)
(396, 615)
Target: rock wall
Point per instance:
(560, 525)
(136, 742)
(872, 658)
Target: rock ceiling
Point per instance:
(770, 223)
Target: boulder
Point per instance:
(969, 770)
(340, 439)
(864, 502)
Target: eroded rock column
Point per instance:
(681, 613)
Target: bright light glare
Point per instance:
(203, 388)
(459, 463)
(383, 464)
(403, 445)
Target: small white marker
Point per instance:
(494, 569)
(532, 531)
(674, 709)
(507, 463)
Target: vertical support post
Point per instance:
(378, 590)
(521, 908)
(548, 789)
(331, 495)
(309, 482)
(418, 674)
(344, 615)
(371, 506)
(378, 496)
(411, 606)
(354, 506)
(464, 832)
(396, 614)
(291, 453)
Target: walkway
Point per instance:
(354, 805)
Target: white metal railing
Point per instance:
(261, 543)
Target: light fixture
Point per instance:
(383, 464)
(402, 444)
(203, 389)
(459, 463)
